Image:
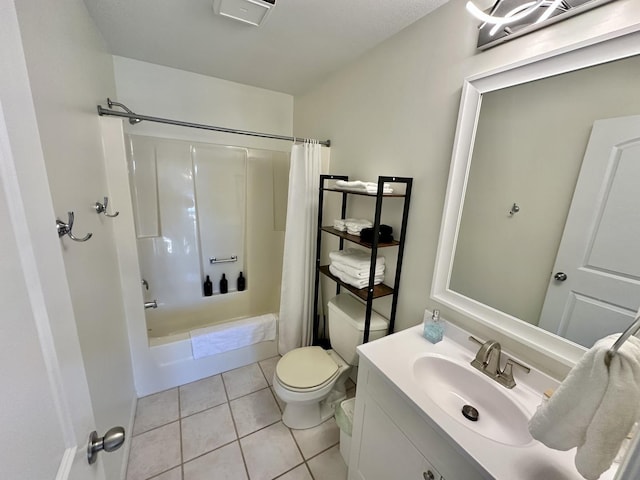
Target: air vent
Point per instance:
(252, 12)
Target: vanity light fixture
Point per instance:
(508, 19)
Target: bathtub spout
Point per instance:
(153, 304)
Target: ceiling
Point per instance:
(299, 45)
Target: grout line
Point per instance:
(290, 470)
(180, 427)
(235, 427)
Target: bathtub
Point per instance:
(170, 362)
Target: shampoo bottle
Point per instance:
(208, 287)
(241, 283)
(224, 286)
(433, 327)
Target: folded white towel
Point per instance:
(364, 187)
(341, 223)
(594, 408)
(357, 272)
(354, 258)
(353, 281)
(232, 335)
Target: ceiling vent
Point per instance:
(253, 12)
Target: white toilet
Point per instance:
(311, 380)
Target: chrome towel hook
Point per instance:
(66, 229)
(102, 208)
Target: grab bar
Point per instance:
(232, 258)
(631, 330)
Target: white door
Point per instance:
(599, 253)
(45, 409)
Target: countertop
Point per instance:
(393, 356)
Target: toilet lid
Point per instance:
(306, 367)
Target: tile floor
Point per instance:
(229, 427)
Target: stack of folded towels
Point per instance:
(352, 226)
(364, 187)
(352, 267)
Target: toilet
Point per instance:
(311, 380)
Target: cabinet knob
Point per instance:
(428, 475)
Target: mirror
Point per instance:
(520, 142)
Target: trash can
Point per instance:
(344, 419)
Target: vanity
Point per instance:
(408, 422)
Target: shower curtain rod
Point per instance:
(136, 118)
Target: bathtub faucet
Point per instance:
(152, 304)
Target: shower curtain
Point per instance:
(298, 265)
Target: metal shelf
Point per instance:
(357, 239)
(380, 290)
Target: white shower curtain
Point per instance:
(298, 265)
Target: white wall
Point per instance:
(166, 92)
(69, 73)
(394, 112)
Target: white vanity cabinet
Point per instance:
(391, 440)
(386, 453)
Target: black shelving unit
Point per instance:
(368, 294)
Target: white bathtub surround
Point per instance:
(233, 335)
(594, 408)
(298, 264)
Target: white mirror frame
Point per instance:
(607, 48)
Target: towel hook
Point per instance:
(66, 229)
(102, 208)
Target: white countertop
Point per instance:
(394, 356)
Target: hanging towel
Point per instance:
(354, 258)
(232, 335)
(363, 187)
(354, 281)
(594, 408)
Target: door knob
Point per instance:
(560, 276)
(112, 440)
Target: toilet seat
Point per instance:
(306, 368)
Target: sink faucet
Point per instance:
(488, 362)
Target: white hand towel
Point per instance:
(357, 272)
(364, 187)
(353, 281)
(354, 258)
(594, 408)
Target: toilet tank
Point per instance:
(346, 326)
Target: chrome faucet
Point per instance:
(488, 362)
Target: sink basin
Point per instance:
(452, 385)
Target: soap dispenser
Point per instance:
(208, 287)
(433, 327)
(224, 285)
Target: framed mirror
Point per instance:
(498, 242)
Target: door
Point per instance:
(595, 286)
(45, 409)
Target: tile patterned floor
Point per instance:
(229, 427)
